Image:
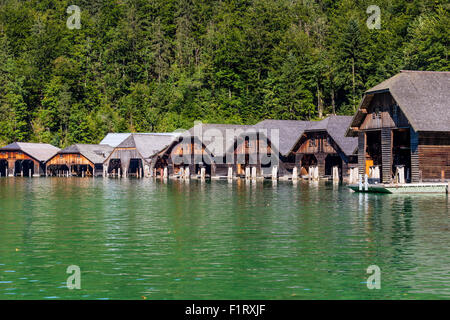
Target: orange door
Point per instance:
(369, 163)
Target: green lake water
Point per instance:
(214, 240)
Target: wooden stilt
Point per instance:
(187, 173)
(274, 173)
(253, 173)
(203, 173)
(335, 174)
(230, 173)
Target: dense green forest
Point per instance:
(158, 65)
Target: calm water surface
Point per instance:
(142, 238)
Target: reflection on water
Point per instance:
(218, 240)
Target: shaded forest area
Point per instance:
(158, 65)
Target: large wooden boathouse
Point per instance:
(403, 128)
(79, 160)
(25, 159)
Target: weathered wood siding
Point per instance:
(15, 155)
(252, 146)
(434, 155)
(386, 155)
(415, 165)
(361, 153)
(12, 156)
(383, 112)
(316, 142)
(69, 159)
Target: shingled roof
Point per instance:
(336, 127)
(39, 151)
(148, 144)
(423, 96)
(114, 139)
(96, 153)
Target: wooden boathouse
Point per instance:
(136, 154)
(25, 159)
(323, 145)
(403, 128)
(202, 148)
(79, 160)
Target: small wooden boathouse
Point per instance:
(279, 137)
(136, 154)
(79, 160)
(25, 159)
(323, 145)
(403, 128)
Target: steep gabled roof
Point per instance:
(336, 126)
(96, 153)
(423, 96)
(148, 144)
(39, 151)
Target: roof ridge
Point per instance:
(423, 71)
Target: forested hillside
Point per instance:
(158, 65)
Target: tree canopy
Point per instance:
(159, 65)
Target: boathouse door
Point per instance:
(331, 161)
(373, 156)
(24, 168)
(401, 152)
(3, 168)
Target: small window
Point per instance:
(312, 142)
(394, 111)
(60, 156)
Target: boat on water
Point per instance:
(439, 187)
